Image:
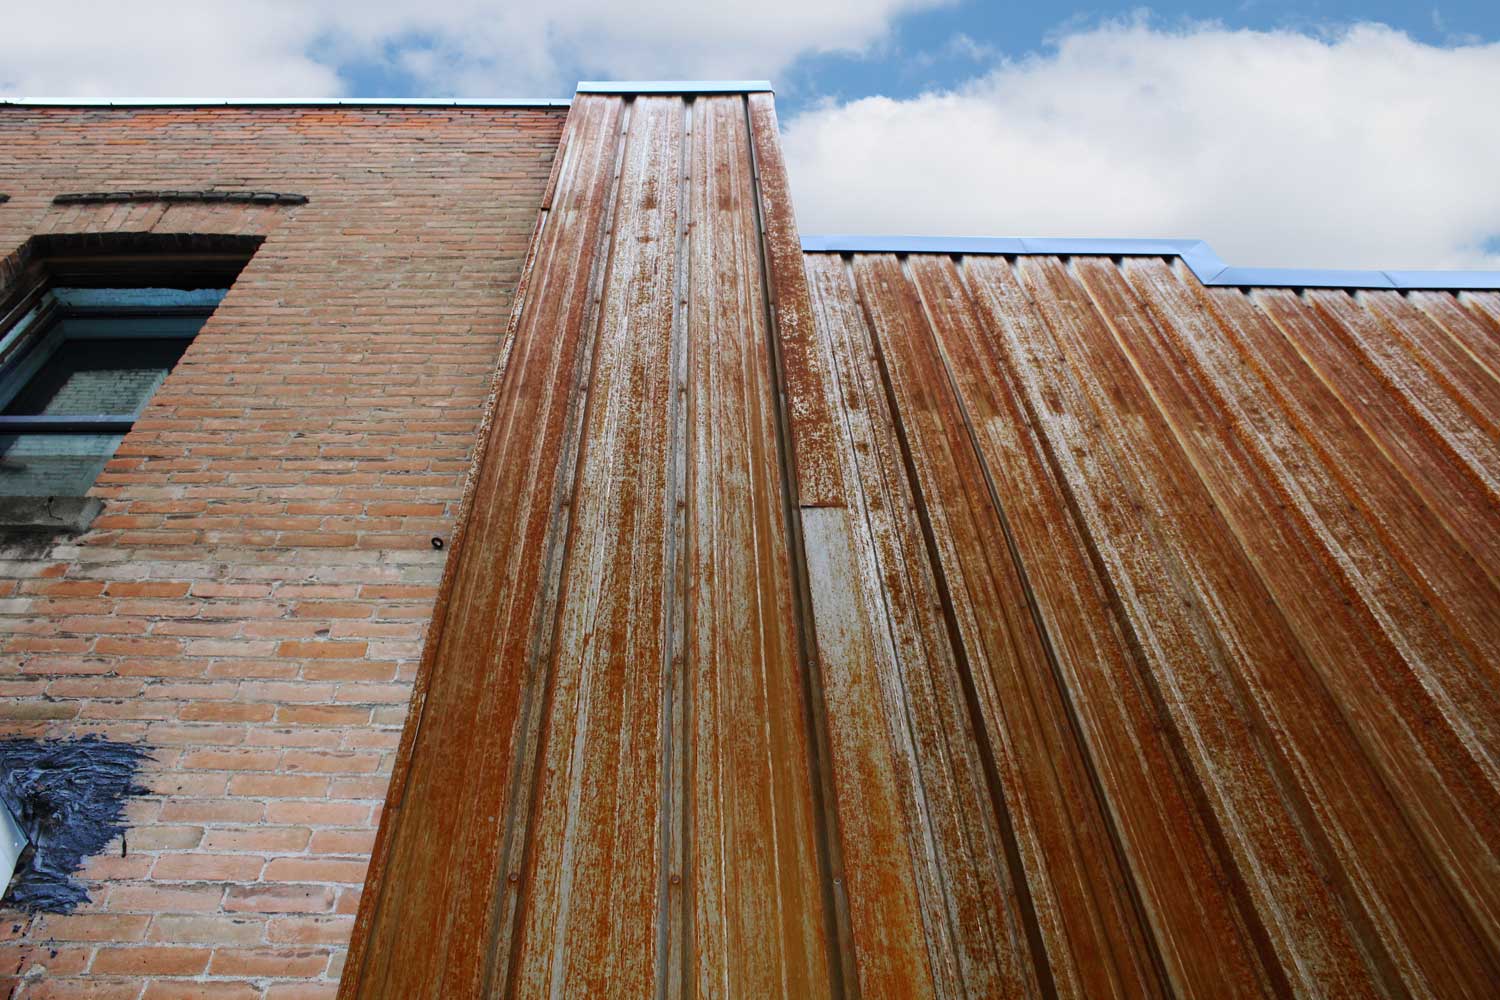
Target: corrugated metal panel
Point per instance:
(1253, 538)
(612, 787)
(942, 625)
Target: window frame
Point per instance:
(117, 277)
(72, 315)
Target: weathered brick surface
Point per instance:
(252, 601)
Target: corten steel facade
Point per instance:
(879, 618)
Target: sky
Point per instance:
(1315, 134)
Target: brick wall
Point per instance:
(251, 603)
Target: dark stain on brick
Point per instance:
(69, 797)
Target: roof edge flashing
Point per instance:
(1200, 258)
(675, 87)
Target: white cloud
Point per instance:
(1357, 149)
(198, 48)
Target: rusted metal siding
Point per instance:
(1251, 535)
(949, 626)
(610, 786)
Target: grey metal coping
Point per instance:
(1196, 254)
(292, 102)
(674, 86)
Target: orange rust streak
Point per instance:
(926, 868)
(1195, 932)
(589, 923)
(1465, 377)
(1449, 577)
(1447, 485)
(1444, 788)
(440, 851)
(1475, 448)
(754, 875)
(1086, 919)
(1187, 667)
(1356, 810)
(934, 628)
(804, 367)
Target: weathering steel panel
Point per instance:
(947, 624)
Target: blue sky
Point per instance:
(1311, 134)
(920, 56)
(922, 52)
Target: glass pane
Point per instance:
(98, 377)
(39, 465)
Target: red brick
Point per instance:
(236, 930)
(140, 646)
(231, 760)
(332, 609)
(300, 813)
(278, 785)
(151, 960)
(207, 589)
(187, 990)
(342, 842)
(321, 423)
(199, 867)
(40, 964)
(63, 588)
(148, 589)
(315, 870)
(322, 715)
(211, 811)
(161, 836)
(279, 963)
(310, 930)
(81, 989)
(280, 899)
(302, 991)
(326, 650)
(325, 762)
(349, 670)
(256, 838)
(215, 712)
(92, 927)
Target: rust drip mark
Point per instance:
(674, 914)
(1044, 635)
(1447, 578)
(1269, 658)
(1485, 308)
(581, 417)
(1128, 350)
(1392, 422)
(1004, 822)
(842, 972)
(1471, 449)
(941, 787)
(1315, 507)
(1035, 406)
(527, 792)
(1465, 331)
(1441, 355)
(1435, 780)
(1408, 707)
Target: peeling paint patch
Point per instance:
(69, 797)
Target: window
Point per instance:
(75, 372)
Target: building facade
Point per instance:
(698, 608)
(251, 601)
